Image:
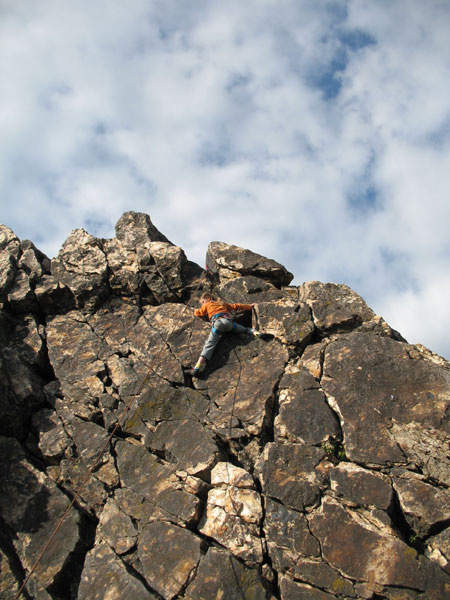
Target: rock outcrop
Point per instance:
(312, 465)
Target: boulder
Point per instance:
(248, 289)
(135, 229)
(9, 255)
(81, 265)
(228, 262)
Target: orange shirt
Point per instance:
(213, 307)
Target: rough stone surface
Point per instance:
(337, 308)
(105, 576)
(168, 555)
(383, 386)
(314, 464)
(288, 321)
(304, 415)
(360, 486)
(228, 262)
(249, 289)
(81, 265)
(234, 513)
(423, 505)
(31, 507)
(291, 474)
(231, 580)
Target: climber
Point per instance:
(218, 312)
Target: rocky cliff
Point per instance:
(313, 465)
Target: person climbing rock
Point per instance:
(218, 312)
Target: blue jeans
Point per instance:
(221, 326)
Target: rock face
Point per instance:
(312, 465)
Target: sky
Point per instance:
(314, 132)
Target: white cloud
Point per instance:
(317, 134)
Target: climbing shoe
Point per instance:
(193, 372)
(196, 370)
(254, 332)
(261, 335)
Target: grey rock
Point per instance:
(21, 298)
(288, 536)
(289, 321)
(292, 589)
(153, 270)
(53, 296)
(76, 478)
(33, 262)
(363, 553)
(9, 255)
(141, 471)
(360, 486)
(439, 548)
(320, 575)
(91, 442)
(8, 583)
(21, 356)
(337, 308)
(242, 377)
(304, 415)
(248, 289)
(302, 466)
(142, 261)
(423, 505)
(373, 383)
(74, 351)
(116, 528)
(135, 229)
(119, 583)
(427, 449)
(169, 555)
(187, 443)
(31, 506)
(228, 262)
(233, 515)
(53, 440)
(289, 473)
(81, 265)
(220, 575)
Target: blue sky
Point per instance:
(314, 132)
